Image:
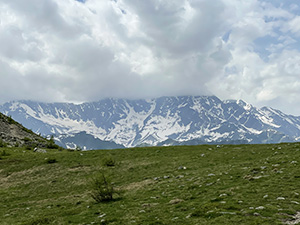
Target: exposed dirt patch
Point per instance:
(138, 185)
(79, 168)
(16, 178)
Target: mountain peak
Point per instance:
(244, 104)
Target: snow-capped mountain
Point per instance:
(159, 121)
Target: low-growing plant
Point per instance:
(27, 139)
(39, 221)
(108, 161)
(51, 160)
(28, 147)
(102, 189)
(2, 144)
(78, 148)
(10, 120)
(4, 153)
(51, 145)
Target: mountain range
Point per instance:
(117, 123)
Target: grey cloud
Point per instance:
(16, 86)
(14, 45)
(184, 52)
(169, 30)
(52, 50)
(43, 16)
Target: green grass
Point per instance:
(245, 184)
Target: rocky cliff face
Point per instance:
(160, 121)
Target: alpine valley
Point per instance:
(186, 120)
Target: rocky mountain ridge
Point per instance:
(159, 121)
(14, 134)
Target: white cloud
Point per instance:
(55, 50)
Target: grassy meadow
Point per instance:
(227, 184)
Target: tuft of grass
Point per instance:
(39, 221)
(108, 160)
(102, 189)
(51, 161)
(4, 153)
(2, 144)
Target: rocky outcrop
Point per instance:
(14, 134)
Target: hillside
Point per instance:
(14, 134)
(230, 184)
(159, 121)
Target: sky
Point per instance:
(78, 51)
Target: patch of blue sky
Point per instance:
(290, 5)
(267, 45)
(231, 70)
(225, 37)
(263, 46)
(83, 1)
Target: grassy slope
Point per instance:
(219, 185)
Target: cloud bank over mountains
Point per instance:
(69, 50)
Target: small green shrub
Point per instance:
(39, 221)
(51, 145)
(4, 153)
(27, 139)
(2, 144)
(108, 161)
(51, 160)
(102, 189)
(10, 120)
(78, 148)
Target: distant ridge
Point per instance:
(158, 121)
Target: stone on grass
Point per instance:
(182, 168)
(147, 205)
(175, 201)
(39, 150)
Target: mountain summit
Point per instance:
(159, 121)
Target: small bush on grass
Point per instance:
(108, 161)
(51, 143)
(39, 221)
(51, 160)
(28, 147)
(102, 189)
(2, 144)
(4, 153)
